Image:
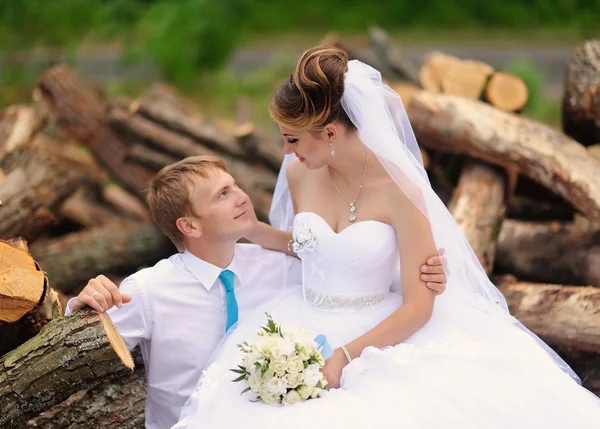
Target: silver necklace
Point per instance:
(352, 203)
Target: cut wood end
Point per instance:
(19, 243)
(116, 341)
(466, 78)
(507, 92)
(406, 91)
(429, 79)
(244, 129)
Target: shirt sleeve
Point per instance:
(132, 320)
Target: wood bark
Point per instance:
(125, 203)
(581, 99)
(149, 158)
(507, 92)
(392, 60)
(479, 206)
(549, 252)
(37, 183)
(567, 316)
(80, 116)
(85, 212)
(161, 105)
(69, 354)
(71, 260)
(115, 404)
(454, 124)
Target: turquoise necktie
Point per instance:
(230, 301)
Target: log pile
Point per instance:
(74, 168)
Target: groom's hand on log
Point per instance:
(101, 294)
(433, 272)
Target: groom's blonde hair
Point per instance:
(169, 194)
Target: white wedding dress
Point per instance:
(460, 371)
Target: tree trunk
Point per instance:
(581, 100)
(71, 260)
(459, 125)
(37, 182)
(507, 92)
(566, 316)
(80, 116)
(479, 205)
(115, 404)
(69, 354)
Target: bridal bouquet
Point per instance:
(282, 365)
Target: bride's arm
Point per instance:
(271, 238)
(416, 244)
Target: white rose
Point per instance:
(304, 391)
(292, 380)
(295, 364)
(267, 345)
(276, 386)
(312, 375)
(291, 398)
(255, 382)
(315, 392)
(303, 353)
(286, 346)
(279, 365)
(303, 235)
(269, 398)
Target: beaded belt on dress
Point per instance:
(340, 301)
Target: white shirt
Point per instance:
(178, 316)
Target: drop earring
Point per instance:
(332, 149)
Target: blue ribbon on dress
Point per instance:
(323, 346)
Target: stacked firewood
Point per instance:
(74, 167)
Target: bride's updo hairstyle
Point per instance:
(312, 97)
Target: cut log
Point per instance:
(71, 260)
(405, 91)
(115, 404)
(507, 92)
(466, 78)
(258, 147)
(566, 316)
(85, 212)
(38, 181)
(161, 105)
(22, 283)
(392, 60)
(70, 353)
(18, 125)
(479, 206)
(594, 150)
(549, 252)
(581, 99)
(434, 66)
(149, 158)
(459, 125)
(125, 203)
(80, 116)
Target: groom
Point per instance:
(179, 310)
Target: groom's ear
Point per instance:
(189, 227)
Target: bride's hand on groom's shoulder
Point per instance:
(100, 293)
(333, 368)
(434, 272)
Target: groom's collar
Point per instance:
(207, 273)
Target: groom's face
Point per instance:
(224, 211)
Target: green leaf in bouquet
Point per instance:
(238, 371)
(240, 378)
(245, 390)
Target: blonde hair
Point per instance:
(169, 194)
(312, 97)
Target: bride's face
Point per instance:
(310, 147)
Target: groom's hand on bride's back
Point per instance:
(100, 293)
(433, 272)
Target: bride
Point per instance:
(364, 216)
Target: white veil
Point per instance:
(383, 126)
